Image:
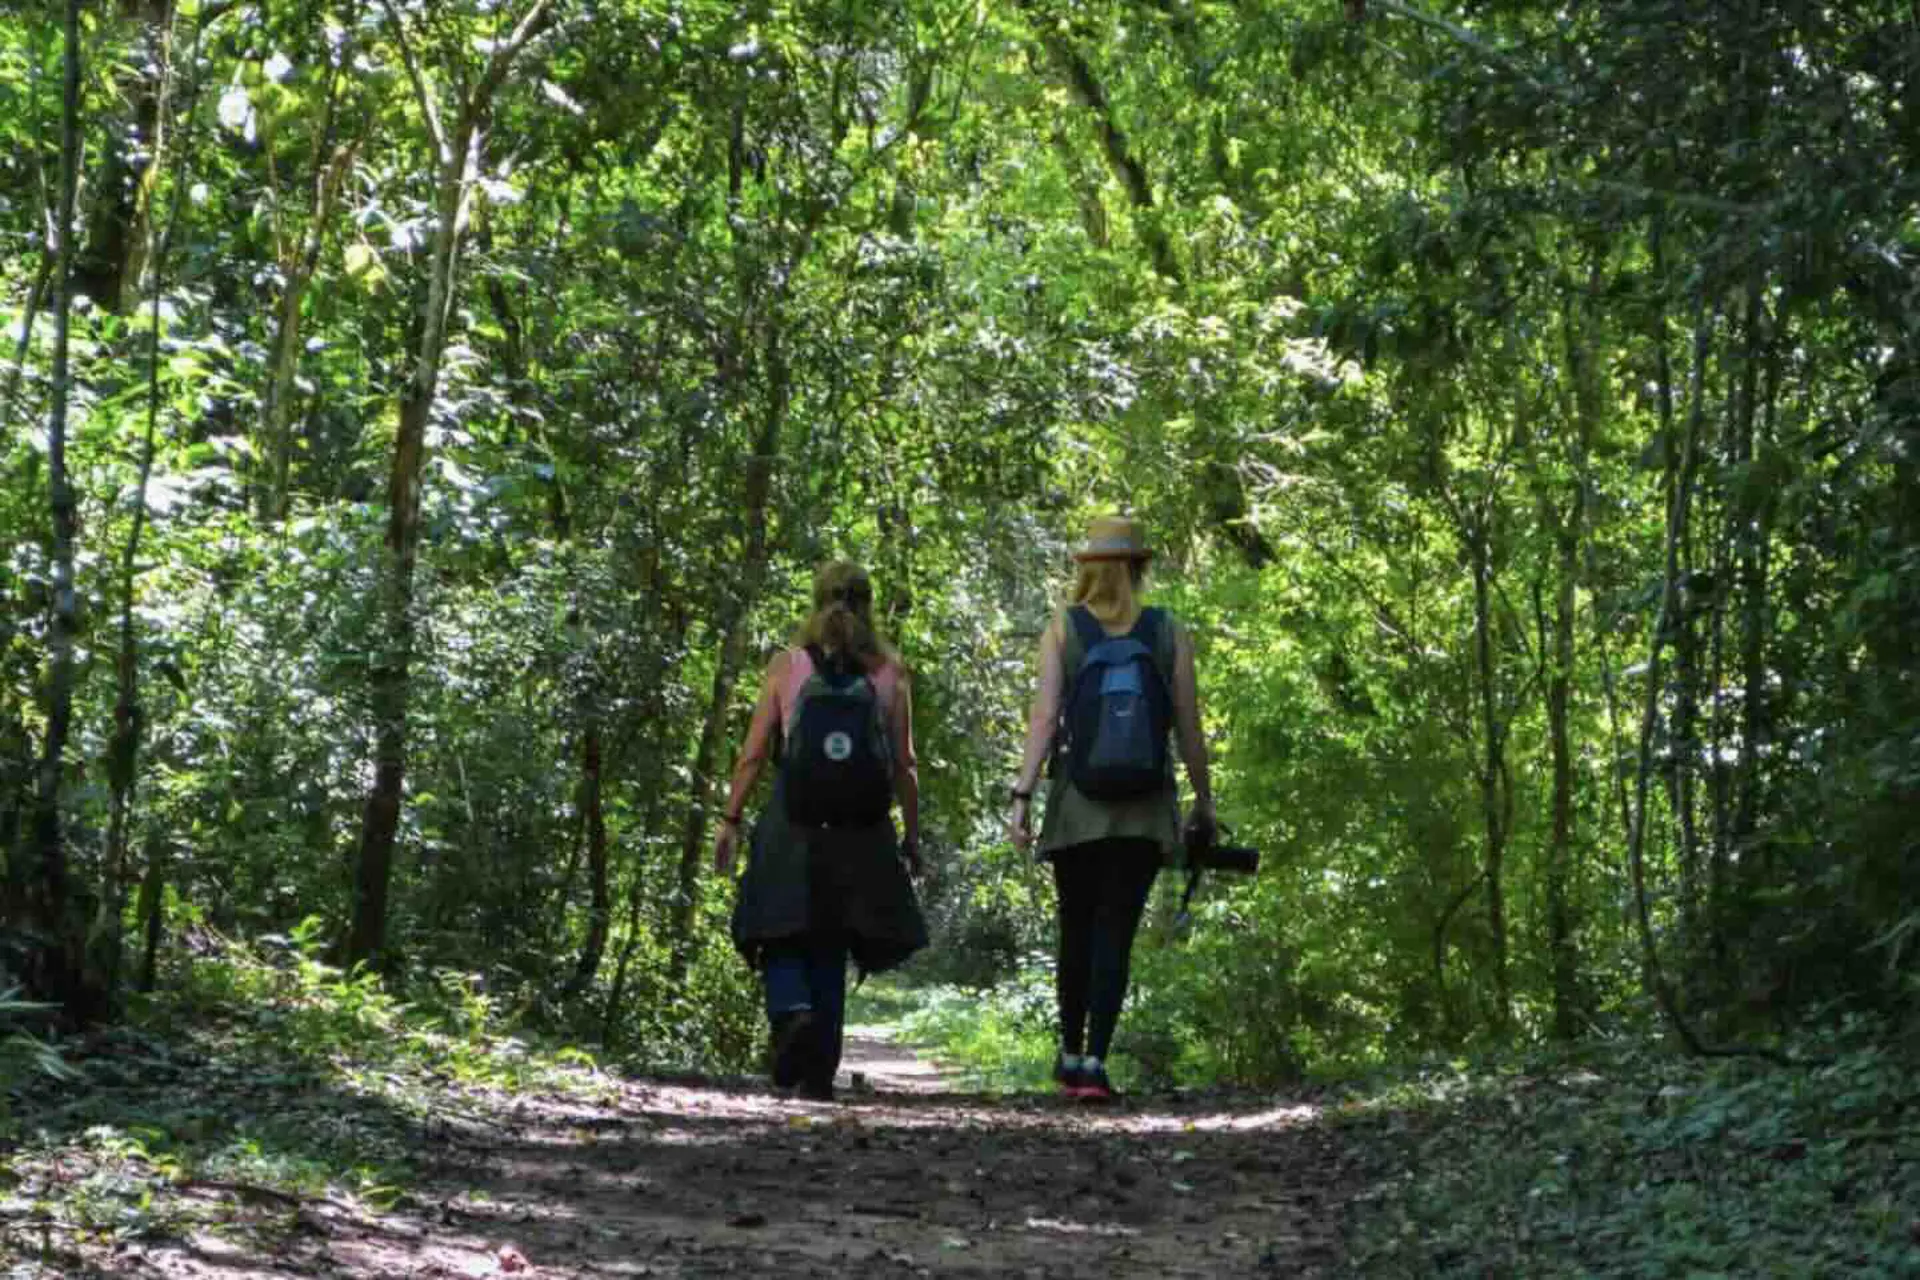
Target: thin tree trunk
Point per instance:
(152, 910)
(1683, 744)
(374, 866)
(109, 267)
(43, 279)
(617, 989)
(693, 836)
(1753, 565)
(56, 968)
(1126, 167)
(17, 802)
(1678, 487)
(594, 812)
(1569, 536)
(123, 751)
(1492, 767)
(733, 645)
(36, 296)
(1560, 856)
(458, 155)
(297, 266)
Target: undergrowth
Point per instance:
(1627, 1160)
(1616, 1158)
(260, 1076)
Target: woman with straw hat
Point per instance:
(827, 878)
(1116, 680)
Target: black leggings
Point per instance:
(1103, 889)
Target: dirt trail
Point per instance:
(905, 1177)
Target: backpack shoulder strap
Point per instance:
(1155, 630)
(794, 674)
(1086, 629)
(1148, 626)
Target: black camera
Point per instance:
(1206, 853)
(1239, 858)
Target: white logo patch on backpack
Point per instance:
(838, 767)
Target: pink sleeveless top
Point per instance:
(886, 684)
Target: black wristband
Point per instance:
(731, 819)
(1018, 794)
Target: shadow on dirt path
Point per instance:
(906, 1177)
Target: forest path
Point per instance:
(907, 1176)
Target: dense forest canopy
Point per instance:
(419, 421)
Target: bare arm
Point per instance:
(752, 761)
(906, 774)
(1042, 721)
(1043, 717)
(1186, 722)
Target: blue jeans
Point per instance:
(811, 973)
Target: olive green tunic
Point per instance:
(1072, 818)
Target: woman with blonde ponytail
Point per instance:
(828, 876)
(1112, 816)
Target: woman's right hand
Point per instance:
(1020, 823)
(724, 846)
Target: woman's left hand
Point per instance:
(910, 854)
(1020, 823)
(724, 846)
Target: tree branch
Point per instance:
(534, 24)
(1125, 165)
(1460, 35)
(429, 109)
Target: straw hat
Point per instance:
(1114, 538)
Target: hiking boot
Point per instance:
(816, 1090)
(1067, 1073)
(1093, 1085)
(793, 1035)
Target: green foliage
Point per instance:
(25, 1057)
(1393, 322)
(1639, 1166)
(1000, 1038)
(261, 1077)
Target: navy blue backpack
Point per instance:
(1118, 710)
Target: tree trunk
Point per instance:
(36, 296)
(594, 812)
(55, 968)
(693, 835)
(1126, 167)
(152, 910)
(733, 645)
(1569, 534)
(297, 266)
(373, 868)
(1753, 566)
(1560, 943)
(1493, 764)
(110, 267)
(123, 752)
(636, 894)
(1678, 489)
(17, 778)
(458, 155)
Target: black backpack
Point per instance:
(838, 766)
(1118, 710)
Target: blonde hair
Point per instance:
(1110, 589)
(842, 619)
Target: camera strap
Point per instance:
(1185, 913)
